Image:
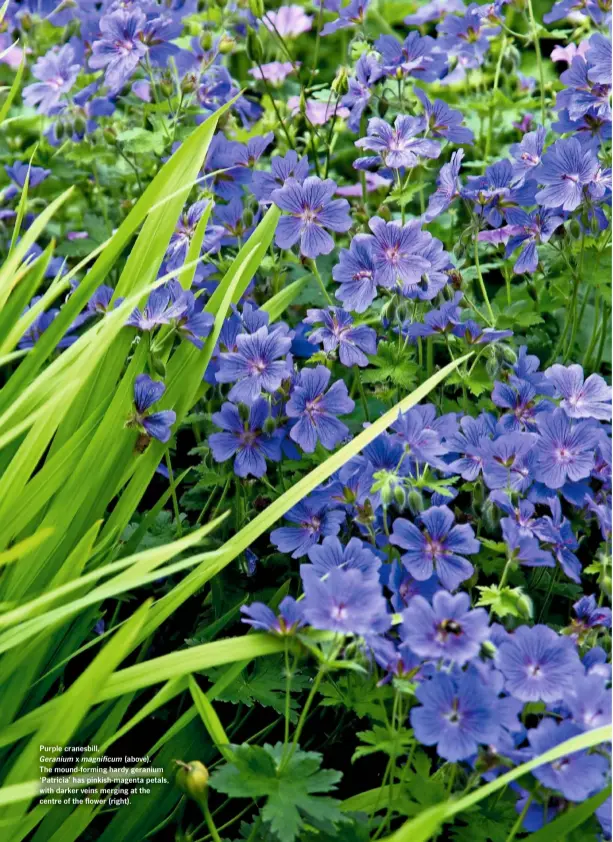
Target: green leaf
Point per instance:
(262, 684)
(387, 740)
(141, 142)
(506, 601)
(288, 782)
(391, 364)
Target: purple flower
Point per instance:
(446, 629)
(367, 72)
(466, 37)
(157, 33)
(441, 546)
(438, 321)
(255, 365)
(434, 10)
(599, 58)
(344, 601)
(455, 716)
(444, 121)
(518, 396)
(576, 776)
(57, 72)
(185, 230)
(164, 304)
(527, 155)
(590, 615)
(282, 169)
(288, 21)
(331, 554)
(315, 518)
(474, 334)
(494, 193)
(472, 443)
(522, 547)
(419, 443)
(590, 703)
(396, 252)
(581, 94)
(246, 440)
(404, 587)
(504, 459)
(529, 229)
(316, 409)
(565, 170)
(565, 451)
(415, 57)
(156, 424)
(311, 210)
(18, 172)
(589, 399)
(353, 14)
(226, 158)
(121, 47)
(338, 331)
(398, 147)
(274, 72)
(538, 664)
(355, 273)
(447, 187)
(260, 616)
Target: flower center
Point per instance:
(392, 254)
(446, 628)
(257, 367)
(563, 454)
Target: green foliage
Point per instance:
(506, 601)
(391, 364)
(263, 683)
(290, 780)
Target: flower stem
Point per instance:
(481, 283)
(322, 286)
(539, 59)
(210, 823)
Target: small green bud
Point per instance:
(415, 501)
(525, 605)
(489, 516)
(511, 59)
(248, 218)
(357, 49)
(110, 135)
(188, 84)
(60, 130)
(256, 7)
(193, 779)
(166, 86)
(383, 107)
(206, 40)
(594, 225)
(389, 310)
(492, 366)
(270, 425)
(255, 51)
(340, 84)
(400, 497)
(80, 125)
(226, 45)
(574, 229)
(384, 212)
(243, 412)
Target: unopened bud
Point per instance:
(247, 218)
(226, 45)
(193, 779)
(340, 83)
(79, 126)
(256, 7)
(110, 135)
(400, 497)
(270, 425)
(383, 107)
(255, 50)
(574, 229)
(525, 605)
(415, 501)
(357, 49)
(166, 86)
(389, 310)
(188, 84)
(206, 40)
(243, 412)
(60, 130)
(489, 516)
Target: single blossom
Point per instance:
(339, 332)
(316, 409)
(439, 546)
(581, 397)
(311, 210)
(343, 601)
(446, 629)
(154, 424)
(256, 365)
(246, 440)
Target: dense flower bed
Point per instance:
(440, 174)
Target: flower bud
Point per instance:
(256, 7)
(255, 50)
(511, 59)
(525, 606)
(247, 218)
(455, 278)
(389, 310)
(400, 497)
(193, 779)
(574, 229)
(206, 40)
(226, 45)
(384, 212)
(188, 83)
(270, 425)
(415, 501)
(80, 125)
(110, 135)
(60, 130)
(166, 87)
(492, 366)
(243, 412)
(383, 107)
(488, 513)
(340, 84)
(357, 49)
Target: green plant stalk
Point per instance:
(539, 59)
